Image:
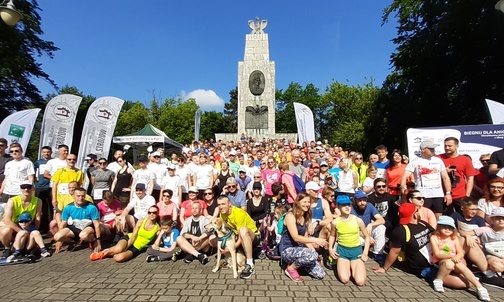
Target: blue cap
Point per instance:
(359, 194)
(24, 217)
(446, 220)
(343, 199)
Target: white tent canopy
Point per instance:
(148, 136)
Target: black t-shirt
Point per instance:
(497, 158)
(259, 212)
(385, 205)
(417, 250)
(211, 208)
(195, 228)
(3, 160)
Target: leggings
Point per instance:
(163, 256)
(306, 258)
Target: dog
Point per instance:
(226, 240)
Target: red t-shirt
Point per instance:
(394, 175)
(464, 168)
(187, 205)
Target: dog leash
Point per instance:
(224, 239)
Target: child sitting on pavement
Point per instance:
(492, 240)
(165, 245)
(27, 238)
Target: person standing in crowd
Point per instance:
(4, 157)
(185, 175)
(203, 177)
(121, 186)
(296, 166)
(62, 178)
(347, 178)
(233, 165)
(368, 184)
(493, 198)
(185, 207)
(160, 173)
(16, 171)
(43, 190)
(481, 177)
(101, 179)
(164, 160)
(270, 175)
(430, 177)
(359, 167)
(461, 172)
(114, 166)
(92, 164)
(394, 173)
(143, 176)
(496, 162)
(172, 182)
(167, 207)
(383, 161)
(54, 164)
(243, 179)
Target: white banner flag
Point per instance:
(99, 127)
(197, 120)
(305, 124)
(58, 123)
(496, 111)
(18, 127)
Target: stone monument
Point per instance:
(256, 89)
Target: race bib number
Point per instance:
(98, 194)
(62, 188)
(431, 180)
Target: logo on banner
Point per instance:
(61, 112)
(104, 114)
(16, 130)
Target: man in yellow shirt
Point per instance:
(62, 178)
(240, 222)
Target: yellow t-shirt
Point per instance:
(63, 177)
(68, 199)
(238, 219)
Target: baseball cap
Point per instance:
(143, 158)
(312, 151)
(170, 166)
(242, 170)
(232, 152)
(156, 154)
(311, 185)
(24, 217)
(359, 194)
(406, 210)
(319, 143)
(497, 212)
(324, 163)
(140, 187)
(343, 199)
(428, 144)
(193, 189)
(26, 184)
(446, 220)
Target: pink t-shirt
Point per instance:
(108, 212)
(187, 205)
(287, 177)
(270, 177)
(166, 210)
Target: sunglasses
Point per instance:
(102, 163)
(207, 193)
(157, 156)
(167, 195)
(26, 187)
(381, 187)
(71, 159)
(262, 164)
(233, 186)
(417, 197)
(2, 145)
(14, 151)
(485, 160)
(150, 213)
(358, 158)
(271, 162)
(24, 221)
(257, 177)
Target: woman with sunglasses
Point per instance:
(133, 244)
(166, 206)
(270, 175)
(121, 186)
(426, 214)
(359, 167)
(481, 177)
(210, 200)
(102, 180)
(493, 198)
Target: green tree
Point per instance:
(19, 47)
(177, 119)
(449, 58)
(231, 113)
(134, 118)
(211, 122)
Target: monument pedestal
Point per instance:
(256, 89)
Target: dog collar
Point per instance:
(224, 239)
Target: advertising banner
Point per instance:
(18, 127)
(305, 123)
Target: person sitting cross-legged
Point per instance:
(193, 237)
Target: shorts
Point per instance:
(77, 231)
(349, 253)
(436, 204)
(132, 248)
(31, 228)
(429, 273)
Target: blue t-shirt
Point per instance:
(80, 217)
(239, 199)
(168, 239)
(334, 172)
(42, 182)
(367, 215)
(467, 225)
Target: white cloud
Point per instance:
(206, 99)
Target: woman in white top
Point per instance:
(368, 184)
(203, 176)
(494, 198)
(347, 178)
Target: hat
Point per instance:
(193, 189)
(170, 166)
(343, 199)
(324, 163)
(446, 220)
(24, 217)
(406, 210)
(143, 158)
(242, 170)
(311, 185)
(498, 212)
(140, 186)
(155, 154)
(286, 143)
(428, 144)
(359, 194)
(257, 185)
(312, 151)
(26, 182)
(319, 143)
(232, 152)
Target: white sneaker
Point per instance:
(483, 294)
(45, 254)
(438, 285)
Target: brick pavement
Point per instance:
(72, 276)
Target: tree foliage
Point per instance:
(19, 47)
(231, 113)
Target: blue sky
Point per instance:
(135, 50)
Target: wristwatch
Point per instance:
(448, 193)
(98, 238)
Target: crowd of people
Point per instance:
(309, 205)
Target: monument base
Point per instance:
(226, 137)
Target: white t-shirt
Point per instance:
(160, 172)
(251, 171)
(501, 173)
(346, 181)
(427, 173)
(15, 172)
(144, 177)
(141, 206)
(369, 182)
(54, 164)
(203, 174)
(184, 173)
(172, 183)
(116, 167)
(485, 207)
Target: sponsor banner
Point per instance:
(58, 123)
(131, 139)
(18, 127)
(474, 140)
(197, 120)
(305, 123)
(496, 111)
(99, 127)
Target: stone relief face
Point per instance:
(256, 82)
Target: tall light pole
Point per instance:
(8, 12)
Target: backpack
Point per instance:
(280, 224)
(299, 185)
